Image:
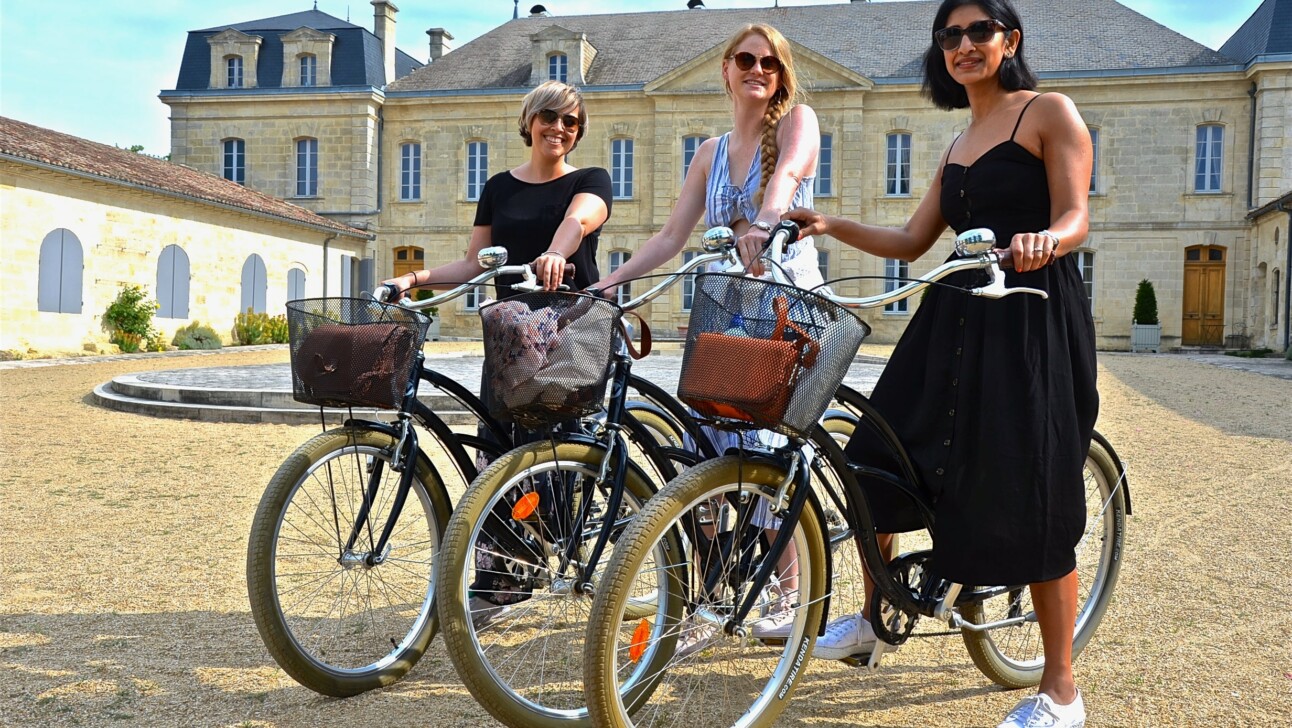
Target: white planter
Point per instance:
(1146, 337)
(433, 331)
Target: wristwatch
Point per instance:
(764, 226)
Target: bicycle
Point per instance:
(695, 557)
(534, 529)
(339, 568)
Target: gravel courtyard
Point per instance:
(123, 598)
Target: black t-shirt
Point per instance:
(524, 216)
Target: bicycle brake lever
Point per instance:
(997, 288)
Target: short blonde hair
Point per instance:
(556, 96)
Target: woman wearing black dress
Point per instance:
(995, 400)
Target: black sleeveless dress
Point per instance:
(995, 400)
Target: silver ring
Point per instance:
(1039, 250)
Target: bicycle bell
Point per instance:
(492, 257)
(717, 239)
(975, 242)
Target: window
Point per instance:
(295, 284)
(557, 67)
(1086, 264)
(61, 273)
(349, 276)
(172, 283)
(1206, 174)
(688, 283)
(307, 167)
(1274, 320)
(823, 261)
(898, 175)
(690, 145)
(254, 285)
(473, 298)
(309, 69)
(235, 160)
(617, 258)
(894, 271)
(621, 168)
(477, 168)
(825, 167)
(1094, 161)
(233, 71)
(410, 171)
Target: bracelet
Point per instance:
(764, 226)
(1054, 245)
(557, 253)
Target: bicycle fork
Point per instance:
(403, 461)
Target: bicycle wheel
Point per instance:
(336, 623)
(513, 620)
(684, 553)
(1013, 656)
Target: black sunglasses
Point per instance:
(979, 32)
(745, 61)
(549, 117)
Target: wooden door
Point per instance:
(1204, 296)
(408, 260)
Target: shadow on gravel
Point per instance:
(1234, 402)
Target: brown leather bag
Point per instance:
(361, 364)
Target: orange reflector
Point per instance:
(640, 635)
(525, 507)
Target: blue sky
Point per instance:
(94, 69)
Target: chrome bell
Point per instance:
(718, 239)
(492, 257)
(975, 242)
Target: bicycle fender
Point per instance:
(1121, 469)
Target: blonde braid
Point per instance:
(775, 110)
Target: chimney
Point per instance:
(538, 11)
(383, 26)
(439, 42)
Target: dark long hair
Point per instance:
(1014, 74)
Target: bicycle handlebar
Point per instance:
(493, 259)
(975, 245)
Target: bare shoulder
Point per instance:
(800, 121)
(1053, 108)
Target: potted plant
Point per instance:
(1146, 330)
(433, 332)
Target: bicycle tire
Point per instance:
(549, 692)
(659, 686)
(343, 647)
(1012, 656)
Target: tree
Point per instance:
(1145, 304)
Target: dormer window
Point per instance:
(309, 69)
(233, 72)
(558, 67)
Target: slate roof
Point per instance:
(877, 40)
(20, 142)
(1268, 31)
(356, 53)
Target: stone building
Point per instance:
(83, 219)
(1190, 188)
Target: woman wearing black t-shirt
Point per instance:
(546, 210)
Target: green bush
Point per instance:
(129, 319)
(196, 336)
(1145, 304)
(259, 328)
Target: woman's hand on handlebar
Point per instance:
(551, 269)
(810, 221)
(396, 288)
(750, 247)
(1029, 251)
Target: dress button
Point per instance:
(962, 321)
(955, 381)
(951, 413)
(958, 351)
(946, 443)
(939, 471)
(962, 193)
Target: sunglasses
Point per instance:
(979, 32)
(549, 117)
(745, 61)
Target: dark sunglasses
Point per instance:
(745, 61)
(549, 117)
(979, 32)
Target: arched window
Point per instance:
(233, 71)
(235, 160)
(307, 167)
(1274, 298)
(295, 284)
(309, 69)
(254, 284)
(1209, 158)
(558, 65)
(61, 271)
(172, 283)
(410, 171)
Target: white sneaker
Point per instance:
(483, 612)
(777, 620)
(695, 636)
(1040, 711)
(845, 637)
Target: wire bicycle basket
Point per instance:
(348, 352)
(547, 356)
(762, 355)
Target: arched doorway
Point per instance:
(1204, 296)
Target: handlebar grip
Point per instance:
(788, 228)
(569, 272)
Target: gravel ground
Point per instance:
(123, 600)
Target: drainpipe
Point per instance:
(1251, 151)
(327, 240)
